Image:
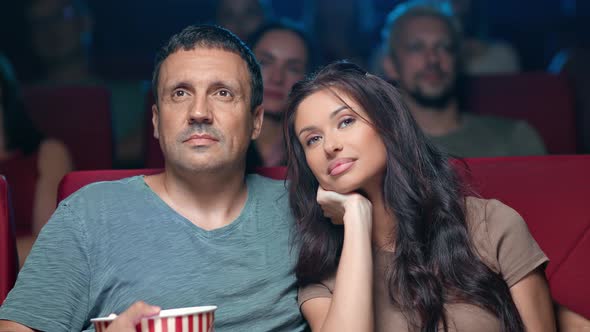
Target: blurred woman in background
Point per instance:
(285, 56)
(33, 164)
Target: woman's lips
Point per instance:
(340, 166)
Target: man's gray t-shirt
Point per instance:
(114, 243)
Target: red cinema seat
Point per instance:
(79, 116)
(545, 101)
(550, 192)
(8, 256)
(22, 172)
(73, 181)
(153, 157)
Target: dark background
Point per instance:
(127, 32)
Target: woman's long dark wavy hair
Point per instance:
(434, 261)
(20, 134)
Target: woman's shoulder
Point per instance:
(52, 145)
(502, 239)
(488, 221)
(480, 210)
(53, 155)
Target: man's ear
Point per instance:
(155, 120)
(390, 68)
(257, 120)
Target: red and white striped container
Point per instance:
(193, 319)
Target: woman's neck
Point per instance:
(384, 222)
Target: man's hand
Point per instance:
(126, 321)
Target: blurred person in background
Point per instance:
(61, 37)
(482, 55)
(284, 53)
(33, 164)
(344, 29)
(573, 61)
(242, 17)
(424, 59)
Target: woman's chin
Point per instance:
(341, 189)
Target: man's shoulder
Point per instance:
(267, 186)
(270, 192)
(490, 121)
(501, 125)
(115, 190)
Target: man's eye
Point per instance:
(415, 47)
(179, 93)
(224, 93)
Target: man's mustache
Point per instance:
(201, 129)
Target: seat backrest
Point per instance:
(153, 157)
(79, 116)
(22, 173)
(73, 181)
(550, 192)
(8, 256)
(545, 101)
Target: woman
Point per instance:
(284, 54)
(415, 253)
(32, 164)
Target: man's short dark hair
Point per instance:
(211, 37)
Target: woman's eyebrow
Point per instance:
(332, 115)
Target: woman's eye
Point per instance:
(312, 140)
(346, 122)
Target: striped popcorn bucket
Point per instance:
(193, 319)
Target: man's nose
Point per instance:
(200, 111)
(433, 55)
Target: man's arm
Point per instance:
(9, 326)
(51, 291)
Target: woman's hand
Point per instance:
(345, 208)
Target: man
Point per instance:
(423, 57)
(200, 233)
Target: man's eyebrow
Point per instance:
(178, 84)
(233, 85)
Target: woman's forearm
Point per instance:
(351, 308)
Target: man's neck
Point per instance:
(209, 200)
(436, 122)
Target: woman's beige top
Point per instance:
(502, 240)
